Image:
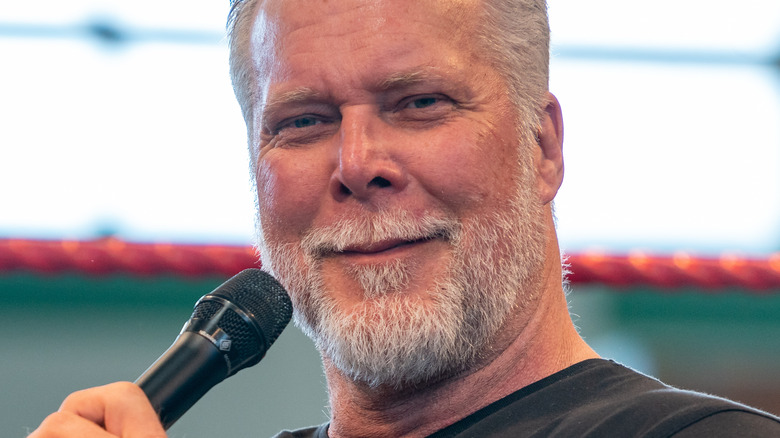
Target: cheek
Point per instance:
(289, 192)
(472, 169)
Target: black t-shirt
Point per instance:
(600, 398)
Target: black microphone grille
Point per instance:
(243, 316)
(261, 297)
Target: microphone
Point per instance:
(230, 329)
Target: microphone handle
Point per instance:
(190, 367)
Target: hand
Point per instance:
(116, 410)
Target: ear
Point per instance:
(549, 166)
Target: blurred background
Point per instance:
(117, 120)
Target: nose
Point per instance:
(369, 165)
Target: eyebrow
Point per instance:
(300, 94)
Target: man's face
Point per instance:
(394, 204)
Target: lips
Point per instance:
(344, 241)
(378, 247)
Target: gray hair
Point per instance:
(515, 34)
(516, 37)
(242, 74)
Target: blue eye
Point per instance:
(303, 122)
(299, 123)
(424, 102)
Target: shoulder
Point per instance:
(671, 412)
(655, 409)
(601, 398)
(732, 423)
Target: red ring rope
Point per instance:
(110, 255)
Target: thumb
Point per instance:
(121, 408)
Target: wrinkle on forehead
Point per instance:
(277, 20)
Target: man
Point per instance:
(406, 155)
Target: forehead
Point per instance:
(306, 13)
(367, 35)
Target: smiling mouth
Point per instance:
(329, 246)
(380, 247)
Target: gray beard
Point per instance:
(401, 340)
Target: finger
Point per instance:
(121, 408)
(68, 425)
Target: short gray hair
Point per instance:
(515, 34)
(242, 74)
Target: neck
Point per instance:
(535, 345)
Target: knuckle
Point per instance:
(127, 388)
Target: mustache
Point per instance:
(382, 226)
